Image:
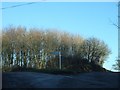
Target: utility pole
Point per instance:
(119, 29)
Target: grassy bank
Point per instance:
(52, 71)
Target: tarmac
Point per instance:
(42, 80)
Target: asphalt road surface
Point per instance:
(41, 80)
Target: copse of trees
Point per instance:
(32, 48)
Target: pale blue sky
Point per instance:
(88, 19)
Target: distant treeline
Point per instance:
(32, 48)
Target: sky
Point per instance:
(88, 19)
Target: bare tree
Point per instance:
(116, 66)
(95, 50)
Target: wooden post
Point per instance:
(60, 64)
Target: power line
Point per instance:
(18, 5)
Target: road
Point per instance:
(42, 80)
